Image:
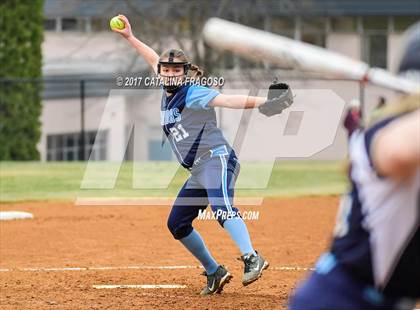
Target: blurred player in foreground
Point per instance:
(374, 259)
(189, 122)
(353, 117)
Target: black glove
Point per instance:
(279, 97)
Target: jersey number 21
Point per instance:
(179, 133)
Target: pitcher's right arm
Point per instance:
(151, 57)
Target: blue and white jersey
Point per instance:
(377, 237)
(190, 123)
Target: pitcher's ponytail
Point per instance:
(195, 71)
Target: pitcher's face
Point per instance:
(172, 74)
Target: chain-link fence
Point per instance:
(84, 118)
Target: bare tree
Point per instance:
(181, 22)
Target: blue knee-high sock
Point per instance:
(239, 233)
(195, 244)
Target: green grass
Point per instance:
(25, 181)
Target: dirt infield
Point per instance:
(134, 241)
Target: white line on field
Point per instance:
(286, 268)
(143, 286)
(152, 201)
(54, 269)
(142, 267)
(40, 269)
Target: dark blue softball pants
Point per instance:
(330, 287)
(211, 182)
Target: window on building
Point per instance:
(375, 40)
(375, 50)
(66, 147)
(96, 145)
(401, 23)
(343, 24)
(313, 31)
(284, 26)
(314, 39)
(50, 24)
(375, 23)
(99, 24)
(71, 24)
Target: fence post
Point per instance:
(82, 120)
(362, 99)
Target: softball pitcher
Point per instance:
(189, 123)
(374, 259)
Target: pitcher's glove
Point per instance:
(279, 97)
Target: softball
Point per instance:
(116, 23)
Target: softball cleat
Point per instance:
(216, 281)
(253, 269)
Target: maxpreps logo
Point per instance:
(170, 116)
